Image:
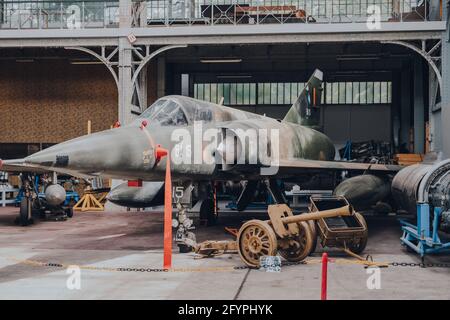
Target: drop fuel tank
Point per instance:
(364, 191)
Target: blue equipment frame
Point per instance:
(423, 238)
(70, 195)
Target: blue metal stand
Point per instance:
(422, 238)
(348, 150)
(70, 195)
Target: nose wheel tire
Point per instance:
(299, 247)
(25, 212)
(255, 240)
(69, 212)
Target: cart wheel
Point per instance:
(358, 248)
(25, 212)
(256, 239)
(312, 225)
(299, 247)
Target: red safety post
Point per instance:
(167, 264)
(323, 295)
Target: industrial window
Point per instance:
(275, 93)
(285, 93)
(376, 92)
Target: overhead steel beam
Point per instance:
(218, 30)
(224, 39)
(101, 57)
(149, 57)
(427, 55)
(57, 43)
(224, 34)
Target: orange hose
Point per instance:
(167, 264)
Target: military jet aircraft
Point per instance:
(210, 142)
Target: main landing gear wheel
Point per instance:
(359, 247)
(69, 212)
(255, 240)
(69, 209)
(25, 212)
(299, 247)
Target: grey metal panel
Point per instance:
(357, 122)
(277, 112)
(337, 123)
(371, 122)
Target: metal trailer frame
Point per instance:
(423, 238)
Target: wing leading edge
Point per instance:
(294, 167)
(296, 164)
(19, 165)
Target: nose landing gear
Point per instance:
(184, 237)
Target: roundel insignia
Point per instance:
(146, 156)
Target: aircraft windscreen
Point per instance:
(171, 115)
(166, 112)
(153, 109)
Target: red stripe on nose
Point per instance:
(135, 183)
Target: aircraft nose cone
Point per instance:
(122, 149)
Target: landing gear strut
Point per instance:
(26, 205)
(208, 212)
(184, 238)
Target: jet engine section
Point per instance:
(242, 144)
(424, 183)
(55, 194)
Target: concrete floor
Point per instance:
(135, 240)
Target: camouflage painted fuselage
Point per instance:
(128, 152)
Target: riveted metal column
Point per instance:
(435, 127)
(405, 108)
(125, 64)
(143, 87)
(419, 114)
(125, 86)
(445, 91)
(161, 76)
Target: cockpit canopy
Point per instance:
(179, 111)
(166, 112)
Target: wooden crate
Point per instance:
(406, 159)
